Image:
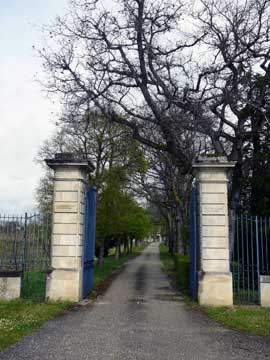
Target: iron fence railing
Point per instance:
(250, 257)
(25, 248)
(24, 242)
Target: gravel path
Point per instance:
(140, 318)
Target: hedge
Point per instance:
(182, 270)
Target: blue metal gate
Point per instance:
(193, 247)
(89, 240)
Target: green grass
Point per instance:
(19, 318)
(111, 264)
(254, 320)
(169, 267)
(167, 261)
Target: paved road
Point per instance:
(140, 318)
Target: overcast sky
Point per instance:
(26, 116)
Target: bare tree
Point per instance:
(129, 62)
(166, 69)
(238, 43)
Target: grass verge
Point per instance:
(167, 261)
(19, 318)
(254, 320)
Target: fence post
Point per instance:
(24, 239)
(258, 259)
(215, 279)
(24, 250)
(70, 181)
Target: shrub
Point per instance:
(182, 270)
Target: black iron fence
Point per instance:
(250, 257)
(25, 248)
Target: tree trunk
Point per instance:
(101, 257)
(125, 246)
(178, 224)
(118, 249)
(170, 233)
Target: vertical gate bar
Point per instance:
(5, 240)
(247, 240)
(238, 259)
(252, 259)
(7, 243)
(10, 254)
(32, 242)
(195, 242)
(266, 245)
(21, 241)
(42, 252)
(242, 258)
(38, 242)
(15, 241)
(258, 257)
(24, 251)
(262, 254)
(18, 239)
(5, 237)
(233, 266)
(37, 265)
(24, 240)
(89, 240)
(28, 242)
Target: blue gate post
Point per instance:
(193, 275)
(89, 240)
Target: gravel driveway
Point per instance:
(139, 317)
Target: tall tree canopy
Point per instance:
(171, 71)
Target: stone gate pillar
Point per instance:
(70, 180)
(215, 279)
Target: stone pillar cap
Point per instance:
(70, 160)
(213, 162)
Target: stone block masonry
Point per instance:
(70, 181)
(10, 287)
(265, 291)
(215, 279)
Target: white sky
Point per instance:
(26, 116)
